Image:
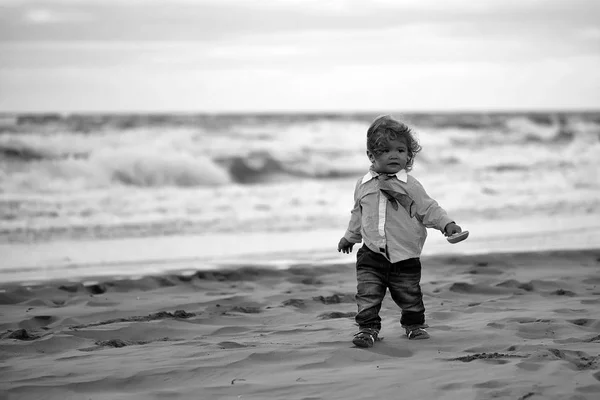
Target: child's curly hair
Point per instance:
(386, 128)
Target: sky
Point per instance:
(298, 55)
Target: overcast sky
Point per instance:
(299, 55)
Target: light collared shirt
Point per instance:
(393, 233)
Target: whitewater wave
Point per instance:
(51, 154)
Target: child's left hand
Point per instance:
(451, 229)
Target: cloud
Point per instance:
(298, 53)
(211, 20)
(48, 16)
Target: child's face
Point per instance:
(392, 157)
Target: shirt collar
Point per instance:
(401, 175)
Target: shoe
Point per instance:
(365, 337)
(416, 333)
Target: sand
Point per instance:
(517, 325)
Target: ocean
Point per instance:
(115, 176)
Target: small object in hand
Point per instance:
(458, 237)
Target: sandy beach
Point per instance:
(516, 325)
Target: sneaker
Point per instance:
(416, 333)
(365, 337)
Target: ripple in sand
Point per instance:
(486, 356)
(345, 357)
(230, 330)
(530, 366)
(12, 298)
(590, 301)
(563, 292)
(586, 322)
(95, 287)
(232, 345)
(594, 280)
(118, 343)
(485, 271)
(588, 389)
(253, 360)
(337, 314)
(178, 314)
(298, 303)
(493, 384)
(464, 287)
(579, 340)
(593, 339)
(71, 288)
(37, 322)
(570, 311)
(512, 283)
(578, 359)
(442, 315)
(245, 309)
(101, 303)
(336, 298)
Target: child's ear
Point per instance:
(371, 156)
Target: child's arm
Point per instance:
(430, 213)
(352, 235)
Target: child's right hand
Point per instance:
(345, 246)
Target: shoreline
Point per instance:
(238, 270)
(130, 257)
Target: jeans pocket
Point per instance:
(359, 254)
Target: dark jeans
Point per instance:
(375, 274)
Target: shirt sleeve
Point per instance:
(429, 212)
(353, 234)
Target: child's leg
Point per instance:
(371, 287)
(405, 289)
